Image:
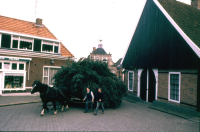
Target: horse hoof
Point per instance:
(62, 109)
(42, 112)
(55, 112)
(67, 107)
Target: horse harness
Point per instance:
(56, 89)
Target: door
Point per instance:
(152, 86)
(143, 85)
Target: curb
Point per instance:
(2, 105)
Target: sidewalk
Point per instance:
(18, 98)
(166, 108)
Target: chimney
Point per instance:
(195, 3)
(94, 48)
(100, 45)
(39, 21)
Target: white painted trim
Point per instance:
(128, 80)
(15, 58)
(147, 89)
(28, 69)
(28, 87)
(1, 84)
(30, 36)
(48, 73)
(0, 44)
(169, 86)
(139, 78)
(11, 43)
(132, 36)
(194, 47)
(14, 72)
(156, 76)
(33, 54)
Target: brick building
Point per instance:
(101, 55)
(162, 62)
(28, 52)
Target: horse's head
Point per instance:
(36, 86)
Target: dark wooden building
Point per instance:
(162, 62)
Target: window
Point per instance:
(105, 59)
(174, 87)
(15, 42)
(48, 75)
(14, 66)
(96, 58)
(5, 41)
(56, 47)
(22, 43)
(6, 65)
(26, 43)
(130, 80)
(21, 66)
(47, 46)
(50, 47)
(0, 65)
(37, 45)
(13, 81)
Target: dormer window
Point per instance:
(22, 43)
(50, 47)
(30, 44)
(47, 46)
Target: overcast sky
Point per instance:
(80, 23)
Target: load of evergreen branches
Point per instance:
(93, 74)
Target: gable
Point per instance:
(157, 44)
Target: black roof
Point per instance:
(118, 62)
(100, 51)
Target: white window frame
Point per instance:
(48, 73)
(19, 37)
(50, 43)
(179, 73)
(128, 80)
(105, 58)
(97, 57)
(10, 68)
(10, 71)
(0, 40)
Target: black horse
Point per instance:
(52, 94)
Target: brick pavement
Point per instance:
(128, 117)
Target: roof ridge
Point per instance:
(50, 31)
(16, 19)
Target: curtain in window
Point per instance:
(130, 81)
(47, 43)
(52, 72)
(45, 75)
(45, 71)
(26, 40)
(174, 87)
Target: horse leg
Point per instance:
(54, 105)
(67, 107)
(63, 105)
(42, 112)
(44, 107)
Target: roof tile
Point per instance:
(186, 16)
(30, 28)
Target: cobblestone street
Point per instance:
(128, 117)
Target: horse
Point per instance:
(52, 94)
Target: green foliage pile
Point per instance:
(93, 74)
